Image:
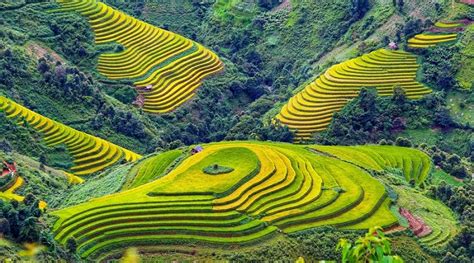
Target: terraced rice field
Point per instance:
(91, 154)
(430, 40)
(415, 165)
(9, 194)
(173, 66)
(273, 188)
(434, 213)
(441, 24)
(311, 110)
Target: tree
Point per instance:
(4, 226)
(403, 142)
(373, 247)
(71, 245)
(29, 230)
(401, 3)
(29, 199)
(268, 4)
(359, 8)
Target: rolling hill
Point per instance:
(273, 188)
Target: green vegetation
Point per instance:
(374, 246)
(280, 184)
(148, 56)
(90, 153)
(22, 222)
(439, 176)
(85, 64)
(415, 165)
(312, 109)
(153, 168)
(216, 169)
(434, 213)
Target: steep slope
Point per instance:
(165, 67)
(90, 153)
(312, 109)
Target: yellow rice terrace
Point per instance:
(273, 189)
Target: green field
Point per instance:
(273, 187)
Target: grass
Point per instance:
(238, 10)
(461, 105)
(311, 110)
(466, 69)
(153, 168)
(171, 64)
(193, 179)
(439, 175)
(273, 186)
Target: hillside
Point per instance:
(236, 130)
(289, 187)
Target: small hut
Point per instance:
(196, 149)
(392, 45)
(8, 168)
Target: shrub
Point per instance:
(403, 142)
(373, 247)
(217, 169)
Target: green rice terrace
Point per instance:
(274, 189)
(90, 153)
(236, 131)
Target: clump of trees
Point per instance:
(461, 201)
(440, 66)
(370, 118)
(451, 163)
(20, 221)
(23, 222)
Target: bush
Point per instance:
(403, 142)
(217, 169)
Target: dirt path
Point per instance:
(38, 51)
(286, 4)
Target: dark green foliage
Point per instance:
(461, 200)
(320, 244)
(71, 245)
(450, 163)
(22, 220)
(413, 27)
(22, 223)
(268, 4)
(370, 118)
(440, 66)
(403, 142)
(6, 181)
(359, 8)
